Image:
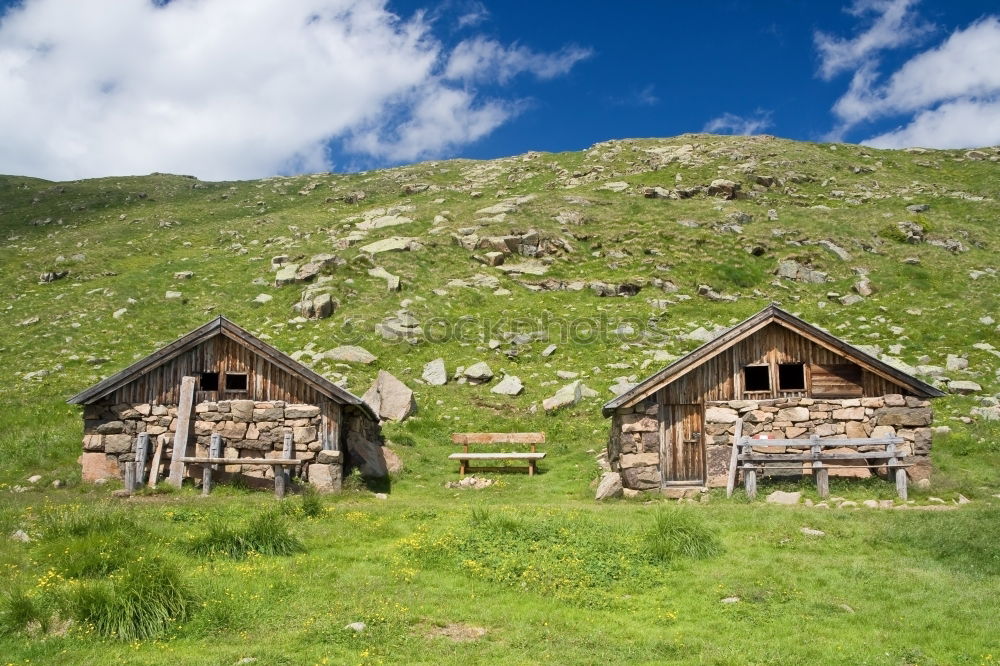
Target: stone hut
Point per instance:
(786, 379)
(247, 391)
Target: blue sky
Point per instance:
(228, 89)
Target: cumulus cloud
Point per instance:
(965, 123)
(235, 89)
(480, 59)
(965, 65)
(894, 25)
(730, 123)
(949, 92)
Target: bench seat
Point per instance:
(497, 456)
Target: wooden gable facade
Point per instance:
(229, 363)
(772, 358)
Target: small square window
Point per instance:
(236, 381)
(208, 381)
(791, 376)
(756, 378)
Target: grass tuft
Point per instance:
(137, 603)
(678, 533)
(263, 534)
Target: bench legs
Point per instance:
(531, 468)
(750, 480)
(901, 483)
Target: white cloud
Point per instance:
(965, 65)
(474, 14)
(894, 25)
(966, 123)
(948, 92)
(236, 89)
(481, 59)
(730, 123)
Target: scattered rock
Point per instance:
(356, 627)
(390, 398)
(781, 497)
(726, 189)
(470, 482)
(964, 387)
(34, 478)
(391, 281)
(567, 396)
(478, 373)
(729, 600)
(509, 385)
(20, 535)
(610, 486)
(809, 531)
(173, 295)
(263, 298)
(435, 373)
(793, 270)
(394, 244)
(350, 354)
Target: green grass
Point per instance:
(551, 576)
(262, 534)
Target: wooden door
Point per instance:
(682, 450)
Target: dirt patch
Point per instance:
(456, 631)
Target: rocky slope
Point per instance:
(541, 281)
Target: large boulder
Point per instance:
(390, 398)
(393, 463)
(367, 456)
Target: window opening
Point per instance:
(236, 381)
(756, 378)
(208, 381)
(791, 376)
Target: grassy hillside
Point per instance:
(935, 281)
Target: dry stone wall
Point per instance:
(248, 428)
(634, 445)
(891, 415)
(634, 448)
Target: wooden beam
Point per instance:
(154, 468)
(281, 476)
(207, 460)
(184, 410)
(734, 456)
(141, 453)
(214, 451)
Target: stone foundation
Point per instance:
(633, 448)
(249, 429)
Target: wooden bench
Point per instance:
(467, 439)
(813, 452)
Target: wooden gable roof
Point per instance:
(772, 314)
(220, 326)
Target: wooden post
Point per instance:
(734, 459)
(214, 451)
(820, 470)
(184, 410)
(899, 471)
(281, 473)
(141, 452)
(130, 477)
(154, 467)
(750, 480)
